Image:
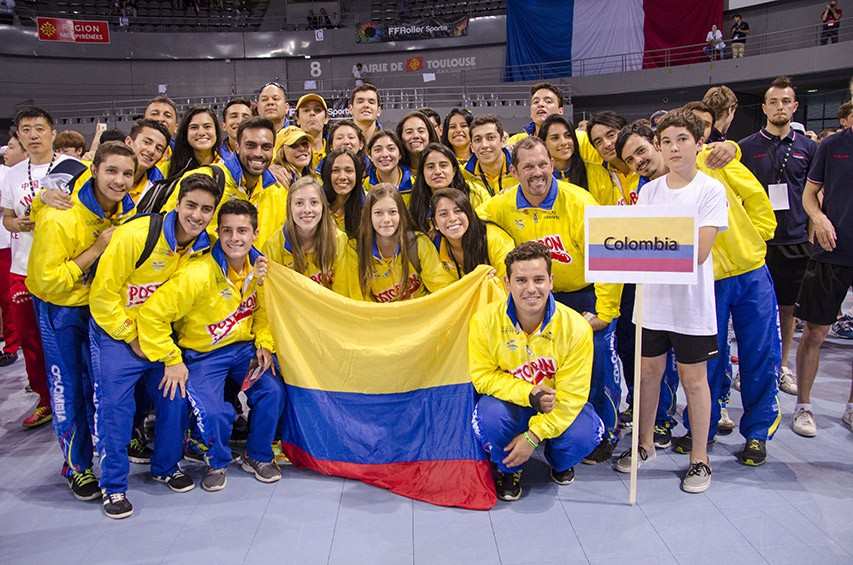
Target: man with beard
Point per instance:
(543, 209)
(248, 177)
(780, 159)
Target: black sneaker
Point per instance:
(177, 481)
(508, 486)
(626, 418)
(563, 478)
(138, 452)
(240, 431)
(195, 451)
(117, 506)
(600, 454)
(84, 485)
(684, 444)
(7, 359)
(663, 437)
(754, 453)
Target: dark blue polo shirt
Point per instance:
(763, 154)
(833, 168)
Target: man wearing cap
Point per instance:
(312, 115)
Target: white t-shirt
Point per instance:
(5, 236)
(16, 194)
(716, 39)
(686, 309)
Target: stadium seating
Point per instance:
(395, 10)
(153, 15)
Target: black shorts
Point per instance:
(689, 349)
(787, 265)
(823, 291)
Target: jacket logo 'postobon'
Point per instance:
(556, 247)
(392, 293)
(219, 330)
(536, 370)
(138, 293)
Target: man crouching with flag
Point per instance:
(531, 360)
(215, 307)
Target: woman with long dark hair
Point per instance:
(416, 132)
(462, 239)
(386, 151)
(197, 141)
(456, 134)
(342, 177)
(439, 170)
(559, 136)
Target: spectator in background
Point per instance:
(7, 11)
(844, 113)
(831, 19)
(71, 143)
(811, 135)
(358, 74)
(740, 29)
(714, 43)
(824, 133)
(723, 102)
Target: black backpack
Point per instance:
(154, 229)
(157, 196)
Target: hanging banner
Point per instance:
(73, 31)
(374, 32)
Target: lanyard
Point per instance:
(781, 170)
(488, 186)
(30, 171)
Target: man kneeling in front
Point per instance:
(531, 360)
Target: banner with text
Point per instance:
(641, 244)
(374, 32)
(73, 31)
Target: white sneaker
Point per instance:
(847, 419)
(787, 381)
(803, 423)
(726, 424)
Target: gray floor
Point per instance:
(795, 509)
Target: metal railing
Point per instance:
(476, 87)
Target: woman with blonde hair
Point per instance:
(309, 242)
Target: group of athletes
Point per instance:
(135, 283)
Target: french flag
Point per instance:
(556, 38)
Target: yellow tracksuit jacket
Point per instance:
(505, 362)
(206, 310)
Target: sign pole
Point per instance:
(635, 424)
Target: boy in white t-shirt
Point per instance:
(682, 316)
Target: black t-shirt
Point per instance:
(833, 168)
(739, 32)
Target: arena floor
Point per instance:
(795, 509)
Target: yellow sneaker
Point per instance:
(278, 454)
(39, 417)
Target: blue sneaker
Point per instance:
(843, 328)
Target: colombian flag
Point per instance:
(639, 239)
(380, 392)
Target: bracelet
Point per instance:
(532, 443)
